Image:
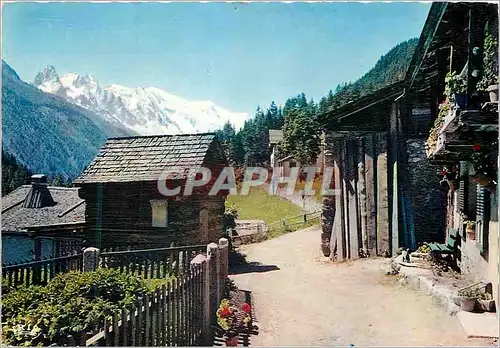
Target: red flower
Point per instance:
(443, 172)
(476, 147)
(246, 308)
(225, 312)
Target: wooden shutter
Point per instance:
(462, 193)
(482, 218)
(480, 204)
(463, 187)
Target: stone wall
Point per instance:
(427, 198)
(494, 260)
(472, 262)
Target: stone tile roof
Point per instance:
(69, 208)
(146, 158)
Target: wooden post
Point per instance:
(394, 136)
(371, 207)
(382, 197)
(362, 195)
(345, 196)
(328, 234)
(337, 244)
(223, 265)
(353, 208)
(213, 281)
(91, 257)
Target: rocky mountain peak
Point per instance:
(48, 74)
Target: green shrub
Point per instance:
(70, 303)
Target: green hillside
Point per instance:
(250, 145)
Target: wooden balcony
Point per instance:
(461, 130)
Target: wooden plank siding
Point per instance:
(124, 216)
(361, 213)
(338, 225)
(352, 200)
(123, 179)
(361, 189)
(383, 243)
(371, 207)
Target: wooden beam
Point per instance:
(345, 189)
(428, 42)
(353, 206)
(394, 140)
(338, 221)
(382, 196)
(371, 208)
(362, 195)
(328, 234)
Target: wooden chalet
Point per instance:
(40, 221)
(364, 144)
(404, 169)
(453, 40)
(124, 206)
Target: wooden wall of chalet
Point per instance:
(389, 193)
(120, 214)
(357, 220)
(364, 150)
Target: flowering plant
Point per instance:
(233, 320)
(490, 63)
(455, 84)
(444, 109)
(450, 173)
(481, 163)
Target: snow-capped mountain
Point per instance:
(143, 111)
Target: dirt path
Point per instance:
(301, 299)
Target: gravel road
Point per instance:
(300, 298)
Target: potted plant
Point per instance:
(489, 80)
(444, 109)
(467, 298)
(486, 302)
(456, 88)
(484, 170)
(450, 176)
(233, 321)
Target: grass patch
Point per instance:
(259, 205)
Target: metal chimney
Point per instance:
(39, 196)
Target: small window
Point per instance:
(159, 213)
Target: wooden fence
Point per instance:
(172, 316)
(40, 272)
(177, 314)
(152, 263)
(293, 223)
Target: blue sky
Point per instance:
(237, 55)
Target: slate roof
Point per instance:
(69, 208)
(145, 158)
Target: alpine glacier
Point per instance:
(144, 111)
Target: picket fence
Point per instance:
(172, 316)
(179, 313)
(40, 272)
